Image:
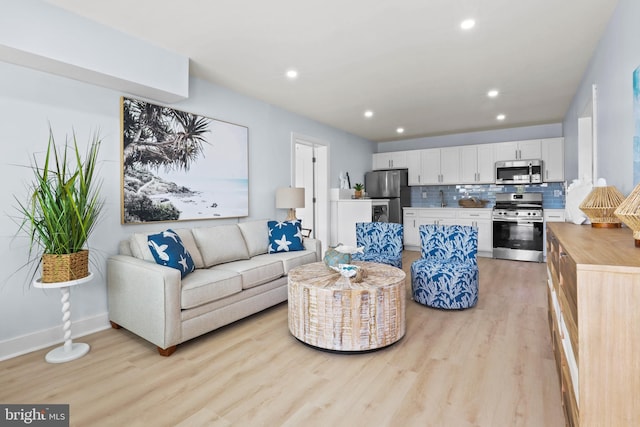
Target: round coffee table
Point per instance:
(335, 313)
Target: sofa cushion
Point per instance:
(285, 236)
(219, 244)
(255, 271)
(189, 242)
(167, 249)
(204, 286)
(256, 236)
(140, 247)
(291, 259)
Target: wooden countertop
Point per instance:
(598, 246)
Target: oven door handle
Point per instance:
(519, 221)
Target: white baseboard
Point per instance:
(24, 344)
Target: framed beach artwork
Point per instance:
(178, 166)
(636, 126)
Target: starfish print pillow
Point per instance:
(167, 249)
(285, 236)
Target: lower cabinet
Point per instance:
(480, 218)
(594, 294)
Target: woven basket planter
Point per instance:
(63, 268)
(472, 203)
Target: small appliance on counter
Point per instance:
(391, 185)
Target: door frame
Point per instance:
(320, 186)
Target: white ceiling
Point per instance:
(407, 60)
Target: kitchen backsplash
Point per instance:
(553, 194)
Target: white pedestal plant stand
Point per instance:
(69, 350)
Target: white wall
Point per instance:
(30, 99)
(610, 68)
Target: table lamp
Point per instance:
(600, 204)
(290, 198)
(629, 213)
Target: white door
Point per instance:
(311, 171)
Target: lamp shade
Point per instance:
(629, 213)
(290, 198)
(600, 204)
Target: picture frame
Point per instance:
(179, 166)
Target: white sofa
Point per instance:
(234, 278)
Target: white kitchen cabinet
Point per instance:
(414, 163)
(476, 164)
(480, 218)
(410, 227)
(435, 166)
(344, 215)
(553, 159)
(450, 165)
(518, 150)
(390, 160)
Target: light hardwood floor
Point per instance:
(490, 366)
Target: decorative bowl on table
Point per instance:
(341, 254)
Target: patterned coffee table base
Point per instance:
(327, 312)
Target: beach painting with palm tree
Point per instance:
(181, 166)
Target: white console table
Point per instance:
(70, 350)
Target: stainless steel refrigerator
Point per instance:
(392, 185)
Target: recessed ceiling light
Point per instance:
(467, 24)
(292, 74)
(501, 117)
(400, 130)
(493, 93)
(368, 114)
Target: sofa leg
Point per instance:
(166, 352)
(114, 325)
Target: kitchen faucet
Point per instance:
(442, 203)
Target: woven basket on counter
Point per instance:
(472, 203)
(63, 268)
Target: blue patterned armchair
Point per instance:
(382, 242)
(447, 274)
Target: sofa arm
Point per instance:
(313, 245)
(144, 298)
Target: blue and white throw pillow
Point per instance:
(285, 236)
(167, 249)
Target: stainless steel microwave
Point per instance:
(519, 172)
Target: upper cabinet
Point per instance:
(477, 164)
(553, 159)
(391, 160)
(518, 150)
(434, 166)
(473, 164)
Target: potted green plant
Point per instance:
(359, 188)
(62, 210)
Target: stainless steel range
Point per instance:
(518, 227)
